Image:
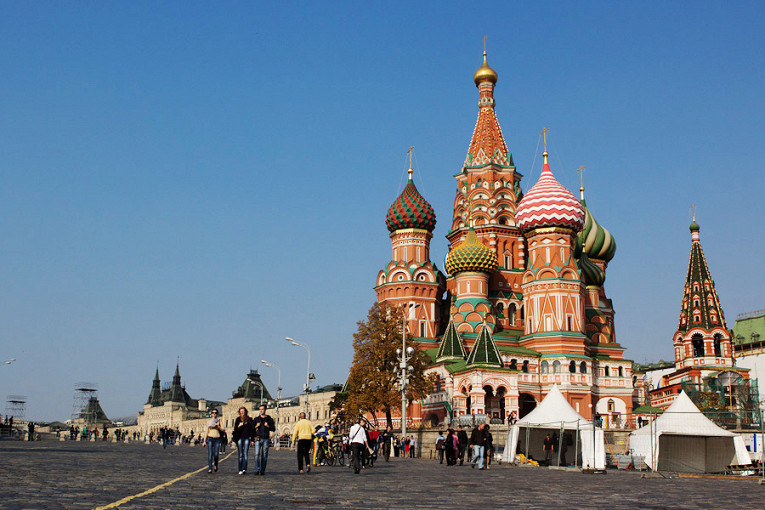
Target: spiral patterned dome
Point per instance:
(549, 204)
(591, 273)
(410, 210)
(471, 255)
(595, 241)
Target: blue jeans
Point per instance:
(478, 455)
(243, 445)
(261, 454)
(213, 447)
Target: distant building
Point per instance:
(171, 406)
(749, 345)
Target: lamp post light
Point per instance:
(278, 394)
(404, 369)
(261, 388)
(308, 375)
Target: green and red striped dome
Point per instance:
(410, 210)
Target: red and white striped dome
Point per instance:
(549, 204)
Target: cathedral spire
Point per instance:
(487, 145)
(701, 306)
(484, 350)
(176, 390)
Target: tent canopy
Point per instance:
(683, 439)
(552, 411)
(555, 413)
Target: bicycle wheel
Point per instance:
(340, 455)
(330, 457)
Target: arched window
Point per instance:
(525, 367)
(556, 367)
(698, 345)
(607, 371)
(583, 367)
(621, 372)
(718, 345)
(544, 367)
(610, 405)
(500, 308)
(511, 313)
(572, 367)
(514, 364)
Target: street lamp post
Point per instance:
(404, 369)
(261, 388)
(308, 372)
(278, 394)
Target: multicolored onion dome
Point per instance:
(591, 273)
(596, 241)
(471, 255)
(410, 210)
(549, 204)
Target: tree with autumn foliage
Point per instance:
(373, 384)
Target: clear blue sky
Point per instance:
(202, 179)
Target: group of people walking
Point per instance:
(455, 444)
(247, 431)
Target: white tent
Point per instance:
(683, 439)
(554, 413)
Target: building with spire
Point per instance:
(704, 357)
(521, 306)
(171, 405)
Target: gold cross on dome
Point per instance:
(544, 136)
(692, 209)
(580, 170)
(484, 44)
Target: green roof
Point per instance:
(647, 410)
(521, 351)
(749, 328)
(451, 348)
(484, 351)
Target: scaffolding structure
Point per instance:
(16, 406)
(84, 392)
(728, 400)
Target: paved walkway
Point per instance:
(77, 475)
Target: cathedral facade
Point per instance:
(521, 306)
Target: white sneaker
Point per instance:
(241, 472)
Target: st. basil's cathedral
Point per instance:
(522, 306)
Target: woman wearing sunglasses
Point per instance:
(212, 441)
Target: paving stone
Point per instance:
(83, 475)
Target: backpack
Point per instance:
(440, 444)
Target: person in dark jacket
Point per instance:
(489, 450)
(262, 426)
(548, 448)
(462, 438)
(241, 436)
(478, 440)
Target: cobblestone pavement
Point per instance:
(82, 475)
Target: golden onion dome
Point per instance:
(471, 255)
(485, 73)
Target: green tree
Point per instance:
(372, 382)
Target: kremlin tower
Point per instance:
(522, 307)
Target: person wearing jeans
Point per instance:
(262, 426)
(212, 441)
(242, 433)
(358, 438)
(478, 440)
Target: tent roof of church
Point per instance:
(484, 351)
(451, 348)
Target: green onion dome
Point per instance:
(594, 240)
(591, 273)
(694, 226)
(410, 210)
(471, 255)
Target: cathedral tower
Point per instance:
(488, 190)
(410, 278)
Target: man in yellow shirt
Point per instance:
(303, 435)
